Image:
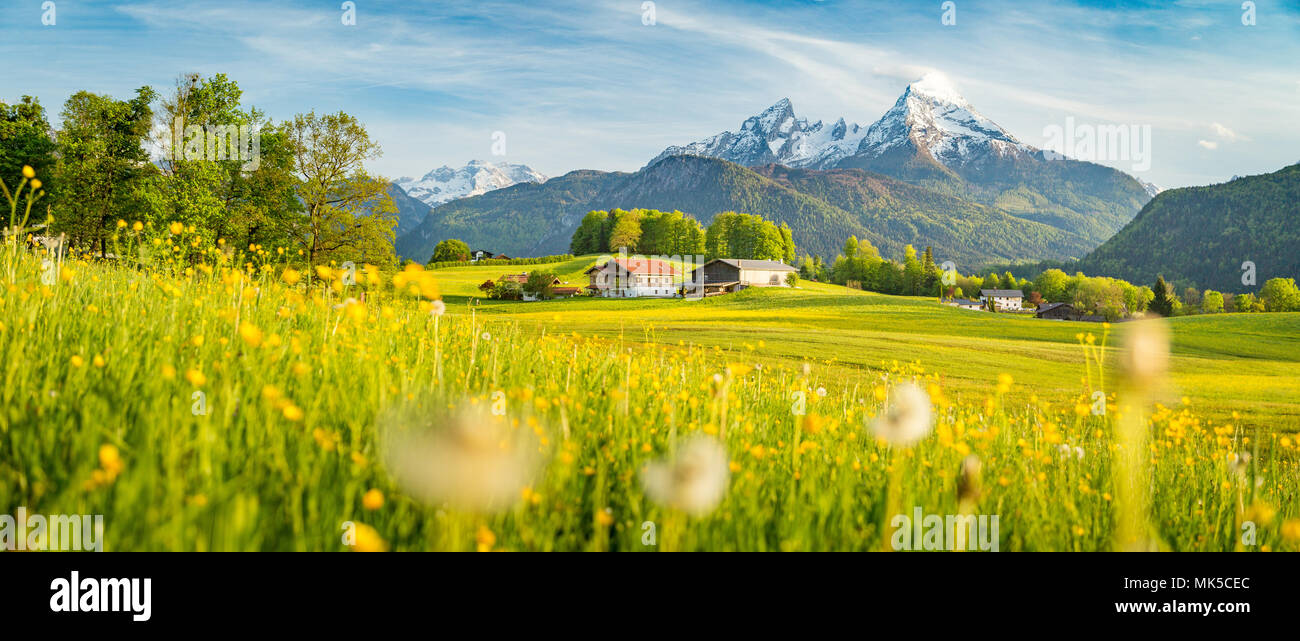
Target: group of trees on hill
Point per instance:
(734, 235)
(198, 156)
(860, 265)
(647, 231)
(650, 231)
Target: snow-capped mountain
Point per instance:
(778, 136)
(477, 177)
(933, 117)
(931, 114)
(934, 139)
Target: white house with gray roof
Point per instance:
(730, 274)
(1003, 299)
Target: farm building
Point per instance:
(1057, 311)
(966, 303)
(723, 275)
(480, 254)
(521, 279)
(1003, 299)
(633, 278)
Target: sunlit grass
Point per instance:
(295, 383)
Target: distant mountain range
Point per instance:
(1203, 235)
(933, 138)
(932, 171)
(477, 177)
(823, 208)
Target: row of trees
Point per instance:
(646, 231)
(1277, 295)
(649, 231)
(861, 265)
(199, 157)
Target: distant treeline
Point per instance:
(1276, 294)
(540, 260)
(860, 265)
(650, 231)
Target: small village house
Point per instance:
(722, 275)
(966, 303)
(633, 278)
(523, 278)
(1004, 300)
(1057, 311)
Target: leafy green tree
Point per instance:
(1280, 295)
(103, 163)
(589, 237)
(450, 250)
(787, 245)
(1246, 303)
(224, 169)
(736, 235)
(348, 212)
(25, 140)
(1211, 302)
(540, 283)
(911, 271)
(626, 230)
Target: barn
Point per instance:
(730, 274)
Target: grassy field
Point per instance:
(225, 409)
(1223, 364)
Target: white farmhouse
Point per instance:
(634, 278)
(1003, 299)
(966, 304)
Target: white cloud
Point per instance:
(1224, 133)
(1208, 144)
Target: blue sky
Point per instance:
(585, 84)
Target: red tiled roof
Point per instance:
(642, 266)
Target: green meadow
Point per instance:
(237, 407)
(1223, 364)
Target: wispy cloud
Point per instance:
(587, 85)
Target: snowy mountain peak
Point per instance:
(932, 116)
(476, 177)
(777, 135)
(937, 87)
(777, 118)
